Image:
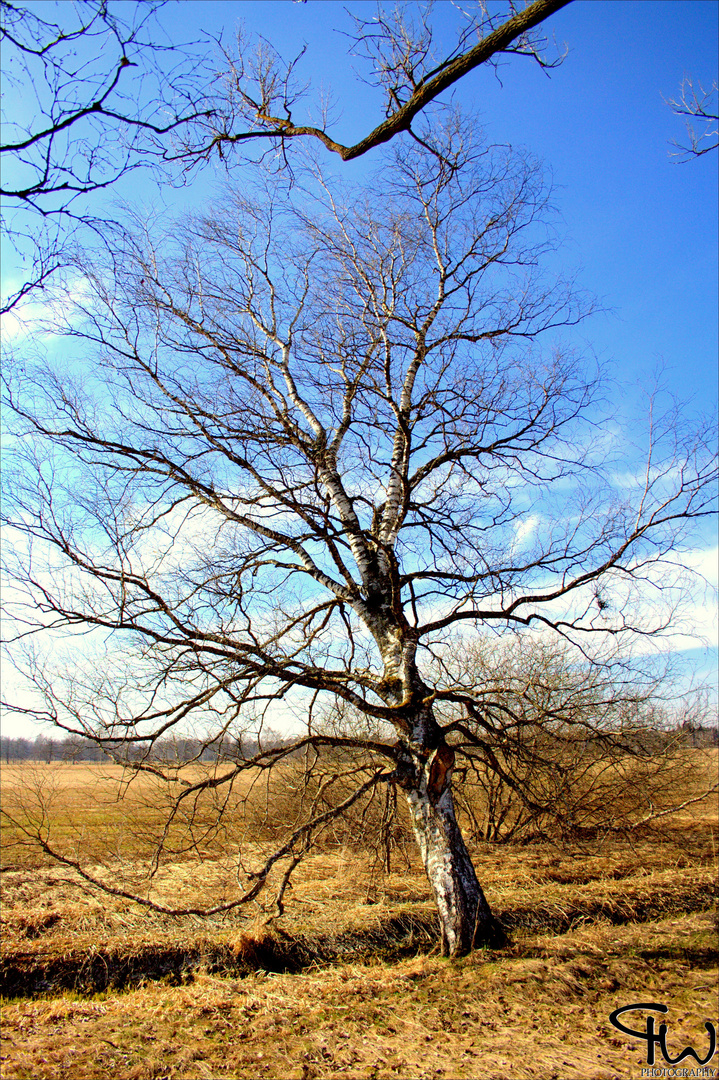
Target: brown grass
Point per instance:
(362, 991)
(541, 1010)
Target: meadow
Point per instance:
(349, 981)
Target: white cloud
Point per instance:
(525, 528)
(33, 318)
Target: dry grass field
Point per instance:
(349, 982)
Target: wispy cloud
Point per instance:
(33, 318)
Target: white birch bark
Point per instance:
(464, 914)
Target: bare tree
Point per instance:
(552, 749)
(109, 98)
(321, 441)
(698, 106)
(93, 97)
(70, 143)
(263, 90)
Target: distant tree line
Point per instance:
(75, 748)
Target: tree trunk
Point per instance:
(425, 763)
(465, 918)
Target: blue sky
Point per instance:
(640, 228)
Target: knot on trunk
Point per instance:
(440, 763)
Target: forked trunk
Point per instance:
(465, 918)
